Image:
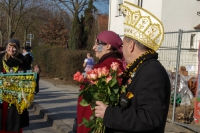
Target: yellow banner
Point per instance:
(18, 89)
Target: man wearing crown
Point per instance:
(144, 106)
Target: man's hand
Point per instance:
(100, 109)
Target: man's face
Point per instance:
(125, 49)
(23, 50)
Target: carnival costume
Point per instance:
(136, 80)
(11, 120)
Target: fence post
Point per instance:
(177, 70)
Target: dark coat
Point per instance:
(24, 65)
(14, 120)
(148, 109)
(29, 58)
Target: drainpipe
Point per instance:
(110, 1)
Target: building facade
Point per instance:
(175, 15)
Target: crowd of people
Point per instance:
(143, 77)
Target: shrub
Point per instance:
(59, 62)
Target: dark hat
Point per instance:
(17, 42)
(27, 48)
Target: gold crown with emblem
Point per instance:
(142, 25)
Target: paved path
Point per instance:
(38, 124)
(57, 105)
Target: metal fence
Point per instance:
(180, 50)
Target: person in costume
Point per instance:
(12, 61)
(144, 106)
(107, 49)
(38, 71)
(26, 52)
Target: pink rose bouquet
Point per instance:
(101, 84)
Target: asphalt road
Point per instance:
(38, 124)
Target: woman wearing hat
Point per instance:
(107, 48)
(144, 106)
(12, 61)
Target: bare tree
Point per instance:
(15, 10)
(54, 32)
(76, 6)
(32, 13)
(2, 26)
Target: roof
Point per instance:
(102, 22)
(197, 27)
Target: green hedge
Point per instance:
(59, 62)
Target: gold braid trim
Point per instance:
(134, 70)
(7, 68)
(18, 90)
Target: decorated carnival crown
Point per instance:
(142, 26)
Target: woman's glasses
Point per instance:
(100, 42)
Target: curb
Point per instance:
(52, 120)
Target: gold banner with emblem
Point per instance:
(18, 89)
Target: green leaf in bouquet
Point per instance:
(81, 92)
(106, 102)
(116, 90)
(84, 103)
(101, 81)
(92, 117)
(92, 130)
(93, 104)
(99, 96)
(87, 96)
(114, 81)
(108, 90)
(123, 89)
(99, 120)
(113, 98)
(93, 88)
(113, 74)
(96, 96)
(89, 124)
(84, 120)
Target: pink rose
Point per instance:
(81, 78)
(99, 72)
(78, 77)
(104, 71)
(108, 78)
(93, 82)
(114, 66)
(119, 72)
(92, 75)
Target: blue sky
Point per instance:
(102, 7)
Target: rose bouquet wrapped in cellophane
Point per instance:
(101, 84)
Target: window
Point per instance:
(119, 2)
(192, 41)
(140, 3)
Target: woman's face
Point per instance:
(11, 50)
(100, 48)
